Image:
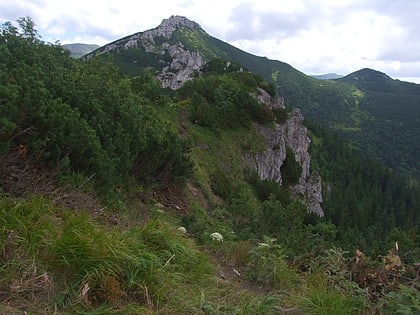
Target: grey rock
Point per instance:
(184, 66)
(264, 98)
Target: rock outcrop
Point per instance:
(291, 134)
(183, 67)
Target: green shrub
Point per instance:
(268, 266)
(406, 300)
(84, 116)
(224, 101)
(291, 169)
(269, 189)
(328, 288)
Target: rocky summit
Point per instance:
(177, 64)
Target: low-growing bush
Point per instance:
(267, 265)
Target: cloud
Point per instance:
(408, 52)
(400, 38)
(251, 22)
(332, 36)
(314, 36)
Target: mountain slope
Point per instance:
(393, 129)
(120, 197)
(365, 108)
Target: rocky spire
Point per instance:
(294, 135)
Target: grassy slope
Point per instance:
(70, 261)
(67, 263)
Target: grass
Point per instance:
(61, 261)
(64, 262)
(56, 260)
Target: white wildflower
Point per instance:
(217, 236)
(182, 230)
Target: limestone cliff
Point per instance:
(279, 137)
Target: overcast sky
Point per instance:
(314, 36)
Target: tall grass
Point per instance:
(320, 299)
(86, 264)
(328, 290)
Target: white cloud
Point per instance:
(314, 36)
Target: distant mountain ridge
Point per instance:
(375, 113)
(327, 76)
(78, 50)
(370, 79)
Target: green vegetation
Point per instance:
(83, 116)
(225, 101)
(196, 40)
(119, 197)
(367, 108)
(364, 198)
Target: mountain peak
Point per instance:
(368, 75)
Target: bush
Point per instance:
(83, 116)
(328, 288)
(224, 101)
(267, 265)
(291, 169)
(404, 301)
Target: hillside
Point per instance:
(393, 108)
(378, 117)
(119, 196)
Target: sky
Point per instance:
(313, 36)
